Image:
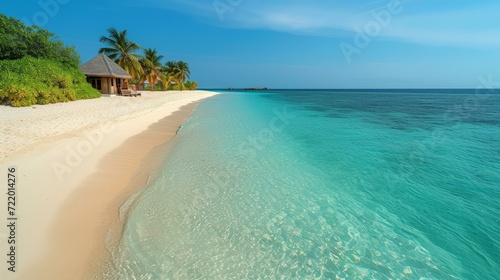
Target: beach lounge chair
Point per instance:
(136, 93)
(126, 92)
(134, 90)
(130, 92)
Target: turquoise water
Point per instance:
(324, 185)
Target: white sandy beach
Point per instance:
(75, 164)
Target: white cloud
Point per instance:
(478, 27)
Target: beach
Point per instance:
(333, 140)
(293, 184)
(75, 164)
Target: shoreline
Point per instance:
(125, 181)
(65, 224)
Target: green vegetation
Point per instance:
(171, 76)
(151, 63)
(18, 40)
(29, 81)
(191, 85)
(178, 72)
(36, 68)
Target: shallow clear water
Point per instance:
(324, 184)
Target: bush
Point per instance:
(29, 81)
(174, 87)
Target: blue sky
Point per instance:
(293, 44)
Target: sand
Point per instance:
(77, 163)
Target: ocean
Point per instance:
(323, 184)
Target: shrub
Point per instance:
(29, 81)
(174, 87)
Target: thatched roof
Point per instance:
(103, 66)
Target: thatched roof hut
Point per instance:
(105, 75)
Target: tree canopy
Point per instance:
(123, 51)
(18, 40)
(151, 63)
(177, 71)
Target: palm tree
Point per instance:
(177, 71)
(194, 85)
(151, 64)
(183, 73)
(170, 68)
(122, 51)
(191, 85)
(170, 72)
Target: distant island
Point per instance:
(253, 88)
